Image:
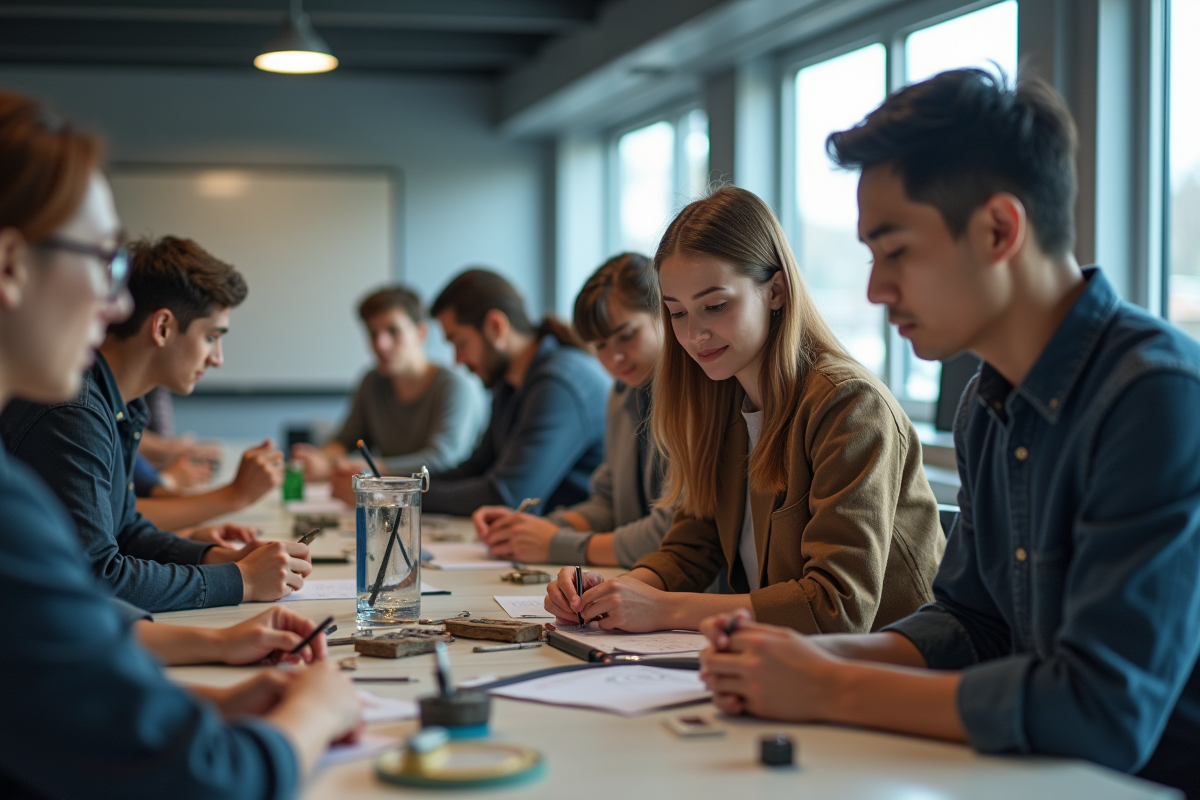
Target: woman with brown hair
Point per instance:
(788, 461)
(616, 312)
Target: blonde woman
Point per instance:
(788, 461)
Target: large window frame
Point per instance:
(890, 29)
(676, 114)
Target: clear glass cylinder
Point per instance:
(388, 530)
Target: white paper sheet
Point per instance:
(333, 506)
(625, 690)
(377, 708)
(369, 745)
(340, 589)
(520, 606)
(463, 555)
(642, 644)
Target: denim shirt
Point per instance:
(544, 440)
(1069, 594)
(84, 450)
(87, 712)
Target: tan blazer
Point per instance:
(854, 541)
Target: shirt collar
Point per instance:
(1058, 368)
(136, 412)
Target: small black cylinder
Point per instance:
(777, 750)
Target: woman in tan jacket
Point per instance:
(787, 460)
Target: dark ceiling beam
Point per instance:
(491, 16)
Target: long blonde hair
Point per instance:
(690, 410)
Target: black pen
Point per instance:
(308, 537)
(362, 448)
(304, 642)
(730, 627)
(579, 591)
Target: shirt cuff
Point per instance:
(129, 613)
(280, 756)
(569, 547)
(940, 637)
(991, 703)
(184, 551)
(223, 584)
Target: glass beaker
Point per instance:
(388, 532)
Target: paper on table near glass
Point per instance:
(462, 555)
(371, 744)
(376, 708)
(626, 690)
(340, 589)
(641, 644)
(523, 606)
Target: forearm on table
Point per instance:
(686, 610)
(171, 514)
(918, 702)
(886, 647)
(175, 645)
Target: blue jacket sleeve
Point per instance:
(94, 716)
(1130, 630)
(71, 448)
(549, 436)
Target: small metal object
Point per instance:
(777, 750)
(527, 503)
(496, 648)
(430, 621)
(526, 576)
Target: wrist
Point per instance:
(232, 497)
(835, 683)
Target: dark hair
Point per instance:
(179, 275)
(389, 298)
(475, 292)
(964, 135)
(631, 277)
(45, 166)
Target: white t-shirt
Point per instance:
(754, 423)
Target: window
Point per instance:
(987, 39)
(1183, 169)
(660, 167)
(833, 95)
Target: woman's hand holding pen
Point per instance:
(562, 598)
(273, 633)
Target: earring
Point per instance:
(776, 313)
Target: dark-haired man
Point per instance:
(546, 434)
(85, 449)
(1066, 618)
(410, 410)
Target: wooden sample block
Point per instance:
(400, 644)
(500, 630)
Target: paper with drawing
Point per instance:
(523, 606)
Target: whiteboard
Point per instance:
(310, 243)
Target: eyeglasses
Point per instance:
(115, 262)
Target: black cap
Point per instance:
(777, 750)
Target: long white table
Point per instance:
(591, 754)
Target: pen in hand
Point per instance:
(730, 627)
(307, 639)
(579, 591)
(308, 537)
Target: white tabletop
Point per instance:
(590, 754)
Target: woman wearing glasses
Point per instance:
(69, 655)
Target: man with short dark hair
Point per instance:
(412, 412)
(85, 449)
(1066, 618)
(546, 434)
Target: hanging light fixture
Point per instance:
(297, 48)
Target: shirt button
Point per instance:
(1054, 402)
(1021, 453)
(1021, 554)
(131, 486)
(137, 434)
(120, 415)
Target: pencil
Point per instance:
(308, 537)
(362, 448)
(305, 641)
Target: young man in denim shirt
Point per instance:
(1066, 618)
(85, 448)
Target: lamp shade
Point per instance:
(297, 49)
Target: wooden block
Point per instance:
(500, 630)
(400, 644)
